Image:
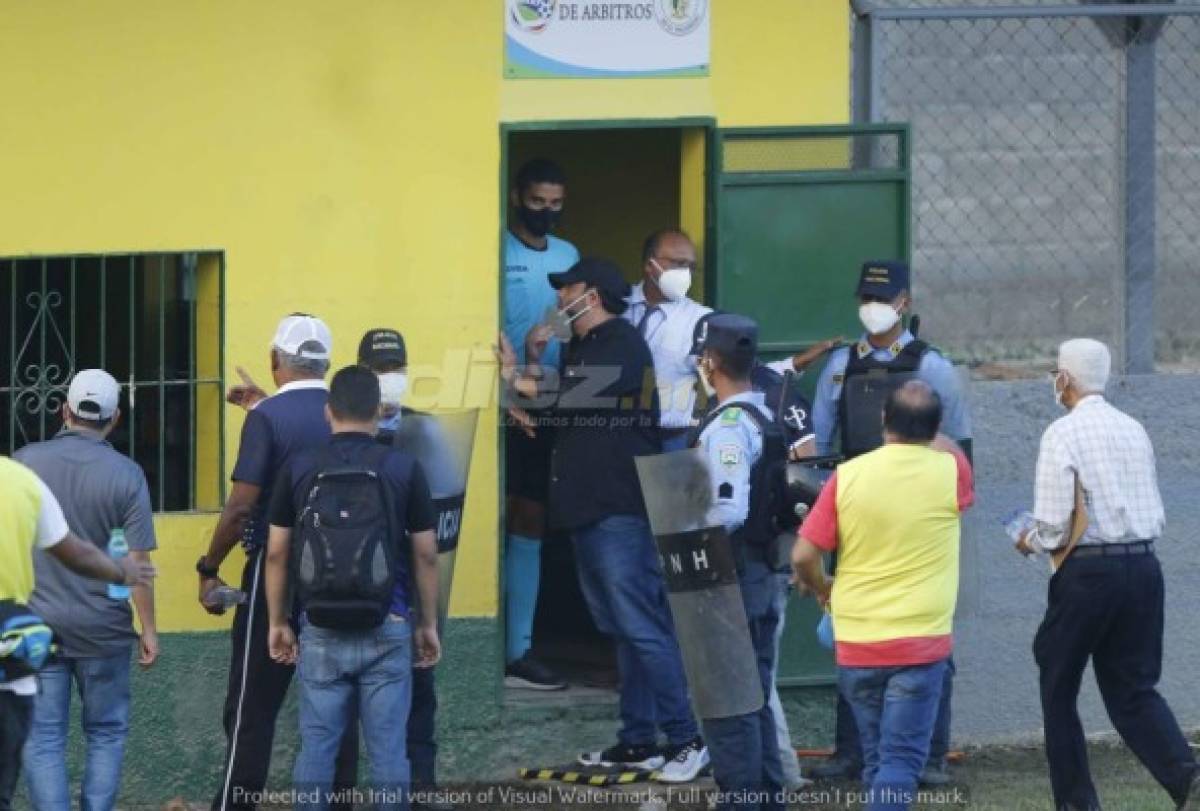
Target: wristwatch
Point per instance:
(207, 572)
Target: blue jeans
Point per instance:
(894, 709)
(847, 745)
(745, 748)
(621, 578)
(103, 684)
(336, 668)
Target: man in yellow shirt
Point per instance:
(31, 518)
(893, 517)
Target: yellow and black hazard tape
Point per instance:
(588, 778)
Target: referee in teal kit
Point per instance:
(531, 254)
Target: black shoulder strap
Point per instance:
(709, 419)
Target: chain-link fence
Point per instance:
(1056, 172)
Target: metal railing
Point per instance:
(135, 316)
(1056, 179)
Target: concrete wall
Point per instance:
(1003, 596)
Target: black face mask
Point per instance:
(539, 221)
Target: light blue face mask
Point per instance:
(391, 423)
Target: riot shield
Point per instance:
(863, 398)
(442, 444)
(702, 585)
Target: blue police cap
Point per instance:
(730, 335)
(883, 278)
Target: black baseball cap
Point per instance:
(382, 346)
(883, 278)
(601, 274)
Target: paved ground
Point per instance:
(1003, 596)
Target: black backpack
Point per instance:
(345, 553)
(770, 512)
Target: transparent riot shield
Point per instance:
(863, 398)
(442, 444)
(702, 585)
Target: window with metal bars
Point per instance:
(152, 321)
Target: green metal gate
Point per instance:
(799, 209)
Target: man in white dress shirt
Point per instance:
(661, 310)
(1106, 600)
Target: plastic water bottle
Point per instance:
(224, 597)
(825, 631)
(117, 549)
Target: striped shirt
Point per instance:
(1112, 456)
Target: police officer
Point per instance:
(740, 441)
(383, 352)
(849, 403)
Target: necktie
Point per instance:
(645, 320)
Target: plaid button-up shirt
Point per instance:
(1112, 456)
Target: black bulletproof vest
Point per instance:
(866, 384)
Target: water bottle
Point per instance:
(825, 631)
(117, 549)
(224, 597)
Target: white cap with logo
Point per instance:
(93, 395)
(298, 329)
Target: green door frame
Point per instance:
(508, 128)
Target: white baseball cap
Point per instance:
(298, 329)
(93, 395)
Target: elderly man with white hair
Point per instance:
(1106, 598)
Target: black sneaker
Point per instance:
(646, 757)
(527, 673)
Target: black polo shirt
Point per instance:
(607, 414)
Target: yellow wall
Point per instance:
(345, 157)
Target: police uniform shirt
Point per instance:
(527, 291)
(669, 329)
(731, 444)
(935, 370)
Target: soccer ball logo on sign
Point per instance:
(532, 15)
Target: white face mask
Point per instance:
(673, 282)
(392, 388)
(1058, 395)
(877, 317)
(569, 317)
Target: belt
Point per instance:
(671, 433)
(1107, 550)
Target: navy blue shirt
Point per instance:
(290, 421)
(401, 472)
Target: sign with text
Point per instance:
(586, 39)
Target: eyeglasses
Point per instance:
(667, 262)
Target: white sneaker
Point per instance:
(685, 764)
